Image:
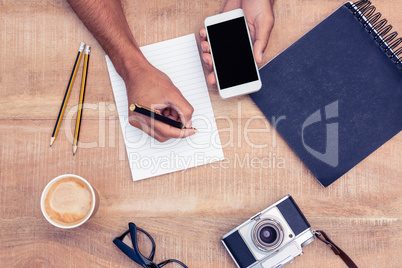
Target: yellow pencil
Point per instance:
(67, 94)
(81, 101)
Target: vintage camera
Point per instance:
(272, 238)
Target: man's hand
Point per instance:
(260, 20)
(145, 84)
(154, 89)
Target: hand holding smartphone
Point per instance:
(232, 54)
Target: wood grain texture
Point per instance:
(186, 212)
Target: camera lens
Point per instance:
(267, 234)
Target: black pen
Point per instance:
(157, 116)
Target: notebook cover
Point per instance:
(334, 95)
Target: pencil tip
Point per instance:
(51, 141)
(73, 154)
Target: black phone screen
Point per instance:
(234, 61)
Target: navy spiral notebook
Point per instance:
(335, 95)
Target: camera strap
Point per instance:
(321, 235)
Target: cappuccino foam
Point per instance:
(68, 201)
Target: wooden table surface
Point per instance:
(186, 212)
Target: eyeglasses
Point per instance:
(135, 253)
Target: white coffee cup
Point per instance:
(69, 201)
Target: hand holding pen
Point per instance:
(151, 87)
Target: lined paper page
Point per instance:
(179, 59)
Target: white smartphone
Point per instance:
(232, 54)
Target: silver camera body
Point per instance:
(271, 238)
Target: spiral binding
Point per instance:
(378, 28)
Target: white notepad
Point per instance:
(179, 59)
